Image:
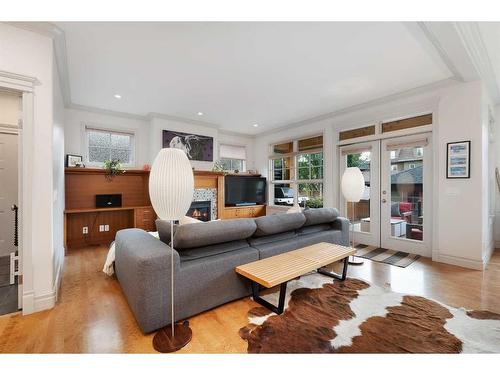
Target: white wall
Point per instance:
(497, 165)
(75, 121)
(58, 179)
(29, 54)
(459, 209)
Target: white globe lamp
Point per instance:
(171, 187)
(353, 186)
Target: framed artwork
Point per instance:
(458, 159)
(73, 161)
(196, 147)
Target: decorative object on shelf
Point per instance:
(458, 159)
(171, 187)
(196, 147)
(73, 161)
(218, 167)
(145, 167)
(113, 168)
(236, 171)
(353, 186)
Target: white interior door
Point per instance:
(8, 191)
(405, 194)
(365, 214)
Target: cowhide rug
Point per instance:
(353, 316)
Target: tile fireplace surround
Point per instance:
(200, 195)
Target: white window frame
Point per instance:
(90, 127)
(244, 163)
(294, 182)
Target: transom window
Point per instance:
(296, 172)
(103, 145)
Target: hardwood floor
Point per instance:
(92, 315)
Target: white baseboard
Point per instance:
(458, 261)
(45, 301)
(57, 281)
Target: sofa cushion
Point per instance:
(207, 251)
(267, 225)
(212, 232)
(163, 228)
(314, 229)
(279, 247)
(316, 216)
(272, 238)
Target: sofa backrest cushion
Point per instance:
(272, 224)
(163, 228)
(315, 216)
(210, 250)
(203, 234)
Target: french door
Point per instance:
(395, 210)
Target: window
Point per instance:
(105, 145)
(296, 172)
(233, 157)
(419, 151)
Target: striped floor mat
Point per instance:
(378, 254)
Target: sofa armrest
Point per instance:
(342, 224)
(143, 268)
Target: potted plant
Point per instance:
(113, 168)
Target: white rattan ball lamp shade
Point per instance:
(353, 184)
(171, 184)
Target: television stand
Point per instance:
(238, 212)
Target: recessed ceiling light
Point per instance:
(200, 113)
(117, 96)
(255, 125)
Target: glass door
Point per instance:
(365, 214)
(406, 174)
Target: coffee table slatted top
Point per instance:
(284, 267)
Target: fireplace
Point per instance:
(200, 210)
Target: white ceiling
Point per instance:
(239, 74)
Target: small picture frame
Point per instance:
(73, 161)
(458, 159)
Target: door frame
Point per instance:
(25, 87)
(430, 209)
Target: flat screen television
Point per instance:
(244, 190)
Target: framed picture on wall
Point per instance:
(458, 159)
(73, 161)
(196, 147)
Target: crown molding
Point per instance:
(107, 112)
(369, 104)
(474, 44)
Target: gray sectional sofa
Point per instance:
(205, 256)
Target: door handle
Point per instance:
(384, 200)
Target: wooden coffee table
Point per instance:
(280, 269)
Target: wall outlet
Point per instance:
(85, 230)
(106, 228)
(101, 228)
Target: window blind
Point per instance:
(232, 152)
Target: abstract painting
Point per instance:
(196, 147)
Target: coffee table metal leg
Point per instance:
(281, 302)
(334, 274)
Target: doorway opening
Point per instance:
(395, 210)
(10, 115)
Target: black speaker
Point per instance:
(108, 200)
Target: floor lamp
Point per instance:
(353, 186)
(171, 187)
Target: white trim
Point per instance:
(458, 261)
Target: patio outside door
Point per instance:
(395, 210)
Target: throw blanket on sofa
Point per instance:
(108, 268)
